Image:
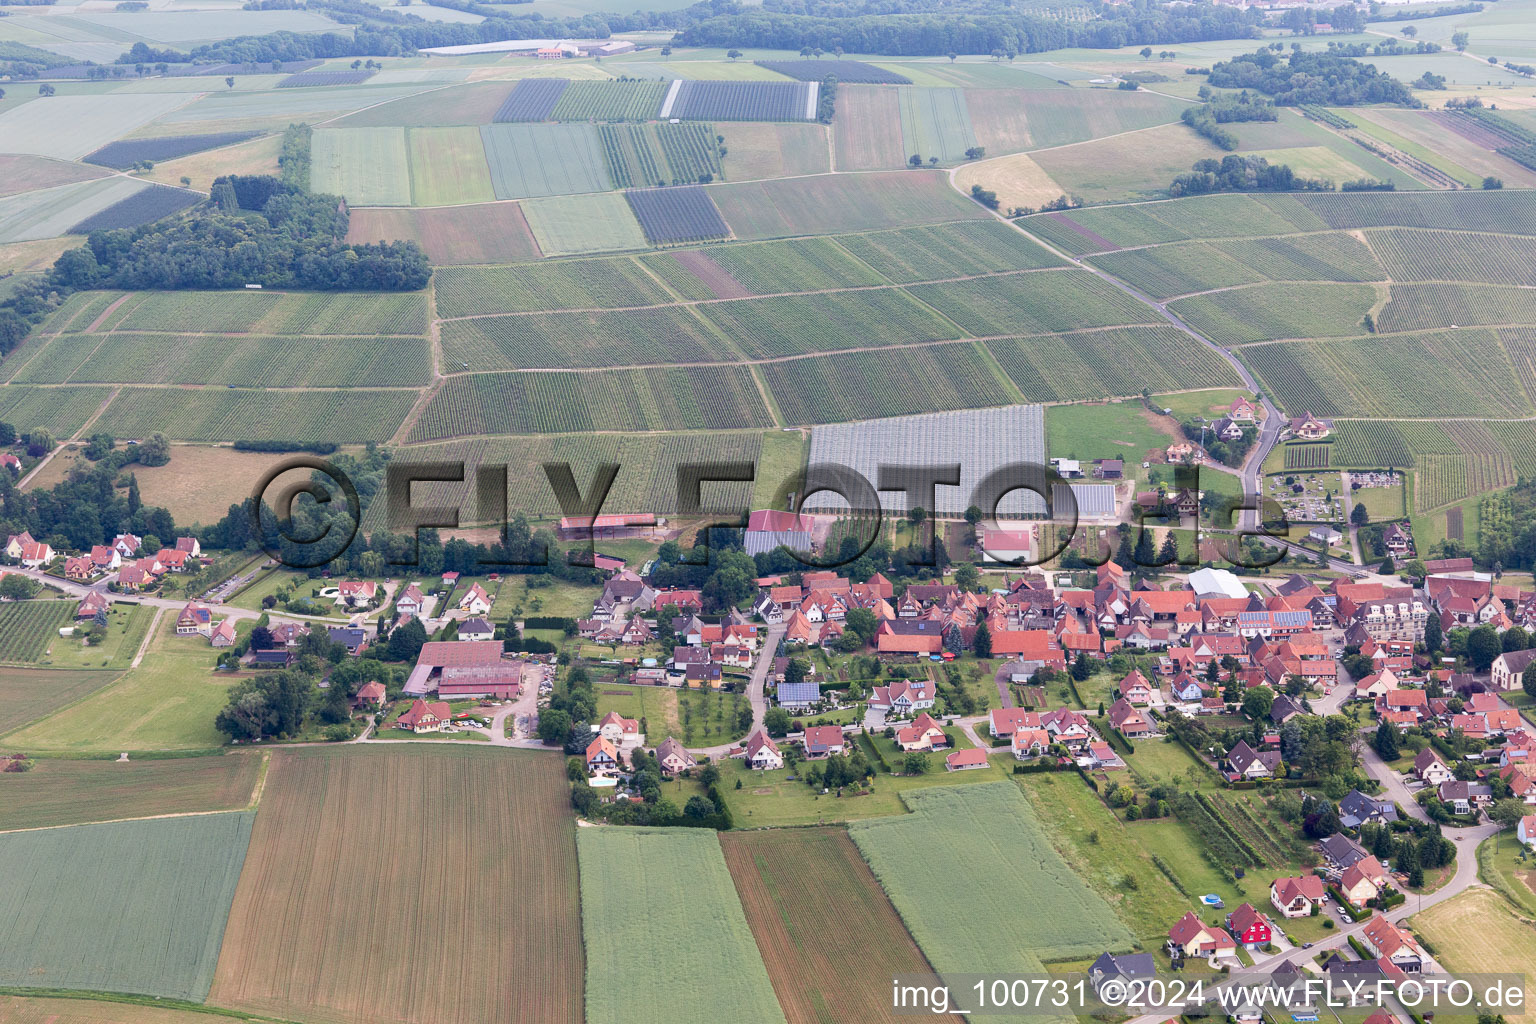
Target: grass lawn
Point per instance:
(1382, 503)
(1157, 761)
(1117, 430)
(126, 626)
(1499, 864)
(697, 718)
(1211, 404)
(568, 600)
(770, 799)
(270, 581)
(28, 694)
(783, 455)
(1105, 853)
(167, 703)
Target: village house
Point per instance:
(1191, 938)
(923, 734)
(1340, 852)
(1296, 896)
(1429, 769)
(1363, 881)
(1029, 743)
(370, 695)
(673, 757)
(356, 593)
(823, 741)
(194, 620)
(1387, 941)
(79, 568)
(1251, 928)
(1526, 830)
(903, 697)
(189, 546)
(476, 601)
(602, 757)
(410, 600)
(620, 731)
(1464, 797)
(1356, 809)
(1131, 723)
(424, 717)
(1248, 763)
(476, 629)
(762, 753)
(223, 634)
(1508, 668)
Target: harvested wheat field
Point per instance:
(58, 1010)
(420, 885)
(1479, 933)
(1017, 180)
(828, 935)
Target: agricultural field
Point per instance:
(484, 233)
(1478, 932)
(241, 361)
(566, 284)
(532, 99)
(258, 156)
(1280, 310)
(28, 628)
(1307, 456)
(1393, 377)
(28, 694)
(761, 268)
(473, 104)
(894, 382)
(1033, 303)
(544, 160)
(609, 100)
(1087, 365)
(311, 79)
(1006, 861)
(125, 153)
(50, 212)
(1017, 180)
(1165, 271)
(935, 123)
(1426, 255)
(839, 204)
(661, 334)
(349, 805)
(670, 216)
(339, 417)
(740, 101)
(868, 129)
(641, 156)
(66, 792)
(274, 312)
(369, 166)
(24, 173)
(145, 206)
(828, 934)
(845, 71)
(676, 398)
(85, 929)
(69, 127)
(448, 167)
(774, 150)
(647, 469)
(942, 251)
(686, 889)
(1101, 229)
(569, 226)
(1417, 307)
(60, 411)
(825, 322)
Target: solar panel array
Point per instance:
(980, 441)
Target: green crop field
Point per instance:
(1418, 255)
(838, 204)
(1519, 440)
(27, 628)
(1512, 212)
(1034, 303)
(1307, 456)
(942, 251)
(448, 167)
(27, 695)
(610, 100)
(369, 166)
(244, 361)
(134, 906)
(796, 324)
(1006, 860)
(676, 398)
(1399, 376)
(273, 312)
(60, 411)
(1415, 307)
(685, 890)
(663, 334)
(761, 268)
(1099, 229)
(1120, 361)
(896, 382)
(935, 122)
(339, 417)
(532, 287)
(1282, 310)
(1058, 117)
(639, 156)
(569, 225)
(528, 160)
(72, 126)
(647, 468)
(1178, 269)
(47, 213)
(868, 132)
(67, 792)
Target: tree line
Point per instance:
(1298, 77)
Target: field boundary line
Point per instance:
(769, 402)
(1001, 374)
(262, 771)
(149, 635)
(100, 409)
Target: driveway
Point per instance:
(757, 691)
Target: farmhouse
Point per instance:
(437, 655)
(423, 717)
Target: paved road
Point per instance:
(757, 690)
